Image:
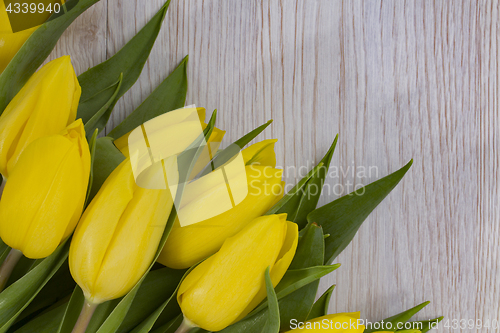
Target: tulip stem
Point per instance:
(85, 316)
(185, 327)
(8, 266)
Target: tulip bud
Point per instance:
(230, 284)
(340, 323)
(190, 244)
(44, 106)
(117, 236)
(44, 197)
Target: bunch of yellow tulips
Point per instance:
(96, 208)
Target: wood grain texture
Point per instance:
(396, 79)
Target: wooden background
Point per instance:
(396, 79)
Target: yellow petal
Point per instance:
(118, 235)
(189, 245)
(134, 244)
(44, 193)
(279, 269)
(4, 19)
(234, 275)
(10, 43)
(44, 106)
(75, 132)
(261, 153)
(91, 239)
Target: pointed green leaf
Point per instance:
(46, 323)
(170, 327)
(59, 287)
(295, 279)
(289, 202)
(35, 50)
(227, 153)
(427, 325)
(392, 322)
(129, 60)
(312, 191)
(18, 296)
(107, 158)
(72, 311)
(92, 148)
(153, 302)
(273, 319)
(244, 140)
(98, 121)
(170, 95)
(310, 253)
(342, 218)
(4, 251)
(320, 307)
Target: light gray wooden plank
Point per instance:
(397, 80)
(85, 39)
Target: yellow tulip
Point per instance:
(44, 106)
(190, 244)
(337, 323)
(43, 199)
(10, 42)
(117, 236)
(230, 284)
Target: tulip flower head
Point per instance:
(44, 106)
(118, 236)
(44, 197)
(190, 244)
(230, 284)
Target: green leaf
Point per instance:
(97, 119)
(72, 311)
(427, 325)
(289, 202)
(227, 153)
(342, 218)
(46, 323)
(107, 158)
(152, 299)
(18, 296)
(292, 281)
(310, 253)
(170, 95)
(245, 139)
(129, 60)
(4, 251)
(273, 319)
(392, 322)
(259, 322)
(320, 307)
(170, 327)
(312, 191)
(59, 287)
(295, 279)
(92, 148)
(35, 50)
